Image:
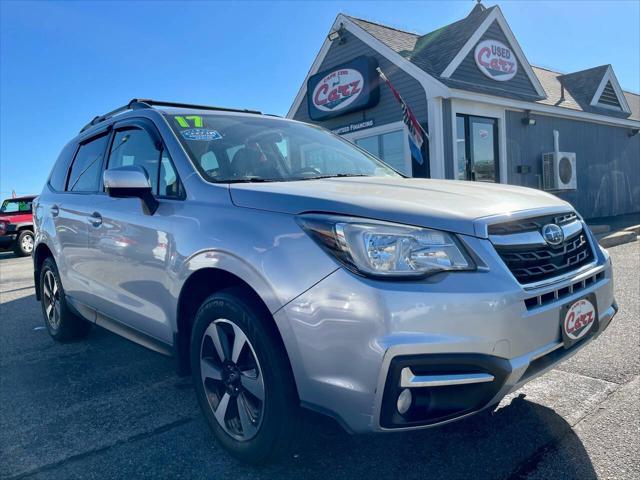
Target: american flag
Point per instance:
(415, 130)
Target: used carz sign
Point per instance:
(496, 60)
(346, 88)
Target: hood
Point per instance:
(443, 204)
(15, 216)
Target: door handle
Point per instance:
(95, 219)
(55, 210)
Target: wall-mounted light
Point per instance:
(633, 132)
(337, 34)
(527, 120)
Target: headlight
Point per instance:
(383, 249)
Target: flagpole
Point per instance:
(384, 77)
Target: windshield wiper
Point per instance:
(263, 180)
(336, 175)
(247, 180)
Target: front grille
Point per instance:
(531, 224)
(533, 264)
(559, 294)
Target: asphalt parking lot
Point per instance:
(106, 408)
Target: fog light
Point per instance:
(404, 401)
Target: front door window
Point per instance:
(477, 148)
(390, 147)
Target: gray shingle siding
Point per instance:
(607, 159)
(388, 110)
(469, 72)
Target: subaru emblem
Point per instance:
(553, 234)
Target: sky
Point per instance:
(62, 63)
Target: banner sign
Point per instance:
(353, 127)
(496, 60)
(345, 88)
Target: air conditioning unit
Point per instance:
(559, 171)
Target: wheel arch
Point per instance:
(40, 254)
(198, 286)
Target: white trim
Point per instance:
(430, 85)
(609, 76)
(381, 130)
(466, 107)
(496, 15)
(541, 108)
(314, 69)
(436, 135)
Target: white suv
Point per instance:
(284, 266)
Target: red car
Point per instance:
(16, 225)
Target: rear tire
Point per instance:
(63, 324)
(24, 244)
(253, 382)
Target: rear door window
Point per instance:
(87, 166)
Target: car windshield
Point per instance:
(242, 148)
(16, 205)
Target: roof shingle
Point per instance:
(434, 51)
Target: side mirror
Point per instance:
(128, 182)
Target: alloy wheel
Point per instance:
(27, 243)
(232, 379)
(51, 299)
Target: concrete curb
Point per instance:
(598, 229)
(617, 238)
(634, 228)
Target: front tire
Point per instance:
(63, 325)
(24, 244)
(242, 378)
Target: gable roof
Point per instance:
(434, 51)
(576, 90)
(586, 86)
(401, 41)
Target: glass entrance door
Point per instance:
(477, 148)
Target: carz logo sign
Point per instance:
(496, 60)
(346, 88)
(338, 90)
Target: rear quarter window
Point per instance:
(58, 176)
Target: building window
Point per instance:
(390, 147)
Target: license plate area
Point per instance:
(579, 320)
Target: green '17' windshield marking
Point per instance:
(183, 121)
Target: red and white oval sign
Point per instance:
(579, 319)
(338, 90)
(496, 60)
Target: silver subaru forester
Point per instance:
(283, 266)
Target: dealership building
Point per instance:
(488, 113)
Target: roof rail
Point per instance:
(138, 103)
(134, 104)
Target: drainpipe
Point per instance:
(556, 141)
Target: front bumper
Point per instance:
(459, 385)
(346, 336)
(7, 240)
